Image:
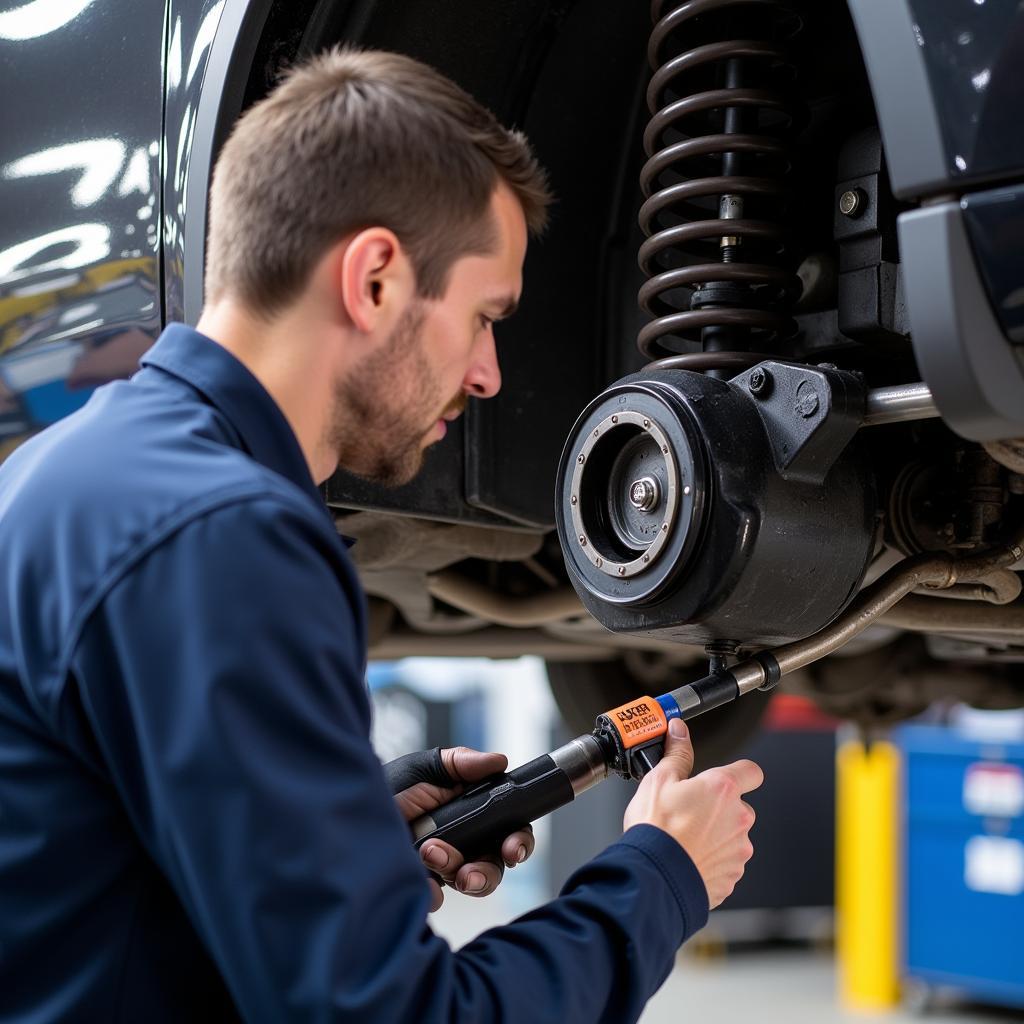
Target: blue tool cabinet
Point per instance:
(963, 863)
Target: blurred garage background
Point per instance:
(921, 828)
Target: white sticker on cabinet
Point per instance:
(994, 790)
(994, 864)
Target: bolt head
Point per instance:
(583, 541)
(852, 202)
(615, 419)
(574, 500)
(806, 399)
(581, 459)
(760, 381)
(622, 570)
(647, 423)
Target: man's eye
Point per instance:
(485, 322)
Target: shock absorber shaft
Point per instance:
(730, 207)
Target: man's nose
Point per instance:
(483, 379)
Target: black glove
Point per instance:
(419, 766)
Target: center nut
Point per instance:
(643, 494)
(632, 485)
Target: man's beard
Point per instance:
(386, 405)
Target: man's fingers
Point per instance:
(436, 895)
(480, 877)
(471, 765)
(517, 847)
(678, 756)
(442, 858)
(748, 816)
(747, 775)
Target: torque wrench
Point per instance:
(627, 740)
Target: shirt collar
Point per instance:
(212, 370)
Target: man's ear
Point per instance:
(375, 279)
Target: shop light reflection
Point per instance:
(100, 161)
(40, 18)
(90, 243)
(204, 39)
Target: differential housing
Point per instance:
(704, 510)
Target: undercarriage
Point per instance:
(735, 261)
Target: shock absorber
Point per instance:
(718, 151)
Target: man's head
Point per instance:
(376, 203)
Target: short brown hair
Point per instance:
(356, 139)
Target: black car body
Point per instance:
(113, 115)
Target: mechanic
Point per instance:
(193, 824)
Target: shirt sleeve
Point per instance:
(223, 680)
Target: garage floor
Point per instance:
(780, 987)
(794, 985)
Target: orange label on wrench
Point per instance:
(639, 721)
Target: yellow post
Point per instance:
(867, 857)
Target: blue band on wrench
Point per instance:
(669, 706)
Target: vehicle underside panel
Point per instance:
(813, 202)
(569, 75)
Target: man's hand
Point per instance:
(437, 781)
(706, 815)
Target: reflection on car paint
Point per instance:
(972, 54)
(71, 247)
(80, 189)
(995, 225)
(193, 28)
(66, 336)
(99, 162)
(39, 18)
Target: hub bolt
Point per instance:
(759, 382)
(644, 493)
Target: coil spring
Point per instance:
(713, 181)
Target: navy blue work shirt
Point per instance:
(193, 824)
